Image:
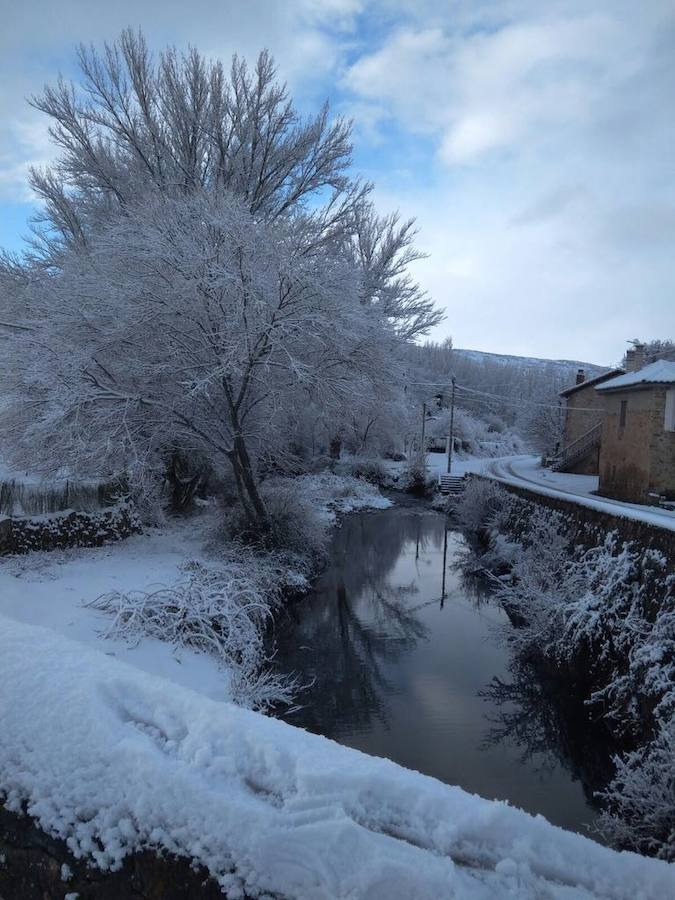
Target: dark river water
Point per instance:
(404, 659)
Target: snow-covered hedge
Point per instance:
(601, 612)
(113, 760)
(68, 529)
(331, 494)
(473, 435)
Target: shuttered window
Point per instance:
(669, 422)
(622, 414)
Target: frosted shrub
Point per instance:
(222, 611)
(329, 493)
(480, 501)
(543, 584)
(640, 800)
(293, 523)
(415, 478)
(603, 616)
(370, 470)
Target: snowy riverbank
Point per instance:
(52, 588)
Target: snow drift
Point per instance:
(111, 759)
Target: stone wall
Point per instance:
(593, 524)
(68, 529)
(583, 410)
(36, 866)
(662, 464)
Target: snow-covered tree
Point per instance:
(188, 323)
(204, 267)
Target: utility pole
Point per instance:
(424, 422)
(452, 423)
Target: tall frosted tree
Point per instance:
(203, 259)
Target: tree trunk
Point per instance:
(247, 486)
(335, 447)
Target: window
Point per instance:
(622, 414)
(669, 421)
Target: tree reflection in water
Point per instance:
(397, 658)
(549, 727)
(358, 621)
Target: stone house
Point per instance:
(582, 425)
(637, 448)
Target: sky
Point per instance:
(534, 142)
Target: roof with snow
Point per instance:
(661, 372)
(598, 379)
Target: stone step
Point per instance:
(451, 484)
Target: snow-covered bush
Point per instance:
(473, 435)
(479, 502)
(330, 494)
(221, 610)
(293, 524)
(370, 470)
(639, 802)
(415, 478)
(542, 585)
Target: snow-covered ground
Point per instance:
(437, 463)
(111, 758)
(50, 588)
(526, 471)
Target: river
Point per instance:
(404, 657)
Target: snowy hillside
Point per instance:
(524, 362)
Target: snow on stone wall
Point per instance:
(68, 529)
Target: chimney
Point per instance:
(581, 376)
(635, 358)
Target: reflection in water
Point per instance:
(401, 656)
(356, 624)
(549, 730)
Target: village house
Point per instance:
(637, 446)
(582, 425)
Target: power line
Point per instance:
(495, 399)
(503, 398)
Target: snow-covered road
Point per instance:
(526, 471)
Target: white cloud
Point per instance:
(490, 90)
(540, 135)
(38, 38)
(549, 222)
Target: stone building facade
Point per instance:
(637, 450)
(582, 420)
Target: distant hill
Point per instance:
(523, 362)
(521, 393)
